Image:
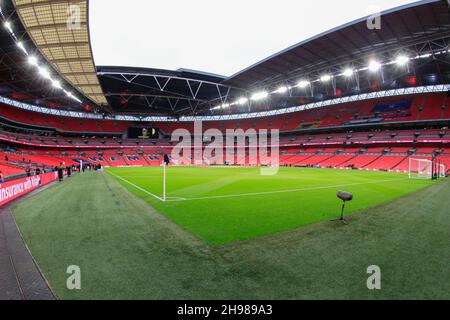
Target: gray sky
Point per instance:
(221, 37)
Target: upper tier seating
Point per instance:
(392, 109)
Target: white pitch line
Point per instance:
(139, 188)
(283, 191)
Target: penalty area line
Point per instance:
(282, 191)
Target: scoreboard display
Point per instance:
(143, 133)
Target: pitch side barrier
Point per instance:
(14, 189)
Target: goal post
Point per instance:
(441, 170)
(420, 168)
(164, 182)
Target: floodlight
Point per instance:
(303, 84)
(225, 105)
(325, 78)
(44, 73)
(402, 60)
(282, 89)
(22, 47)
(7, 25)
(242, 101)
(374, 66)
(33, 61)
(424, 56)
(56, 84)
(259, 95)
(348, 72)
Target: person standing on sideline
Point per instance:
(60, 172)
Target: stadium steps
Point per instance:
(368, 164)
(444, 110)
(399, 163)
(107, 161)
(304, 159)
(324, 160)
(123, 159)
(342, 162)
(146, 160)
(421, 104)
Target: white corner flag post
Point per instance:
(81, 166)
(164, 181)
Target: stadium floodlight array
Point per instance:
(32, 60)
(373, 65)
(420, 168)
(232, 116)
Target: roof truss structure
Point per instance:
(167, 91)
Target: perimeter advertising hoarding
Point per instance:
(14, 189)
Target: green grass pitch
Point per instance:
(127, 249)
(223, 205)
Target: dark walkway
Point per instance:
(20, 279)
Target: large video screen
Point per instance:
(143, 133)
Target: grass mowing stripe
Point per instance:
(281, 191)
(132, 252)
(225, 216)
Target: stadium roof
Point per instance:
(18, 79)
(420, 29)
(403, 27)
(162, 92)
(418, 33)
(63, 42)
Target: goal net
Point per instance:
(420, 168)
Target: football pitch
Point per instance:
(130, 245)
(220, 205)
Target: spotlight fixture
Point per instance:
(303, 84)
(260, 95)
(325, 78)
(348, 72)
(402, 60)
(374, 66)
(22, 47)
(282, 89)
(44, 73)
(242, 101)
(7, 25)
(33, 61)
(56, 84)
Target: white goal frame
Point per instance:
(442, 171)
(420, 168)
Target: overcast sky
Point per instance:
(221, 37)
